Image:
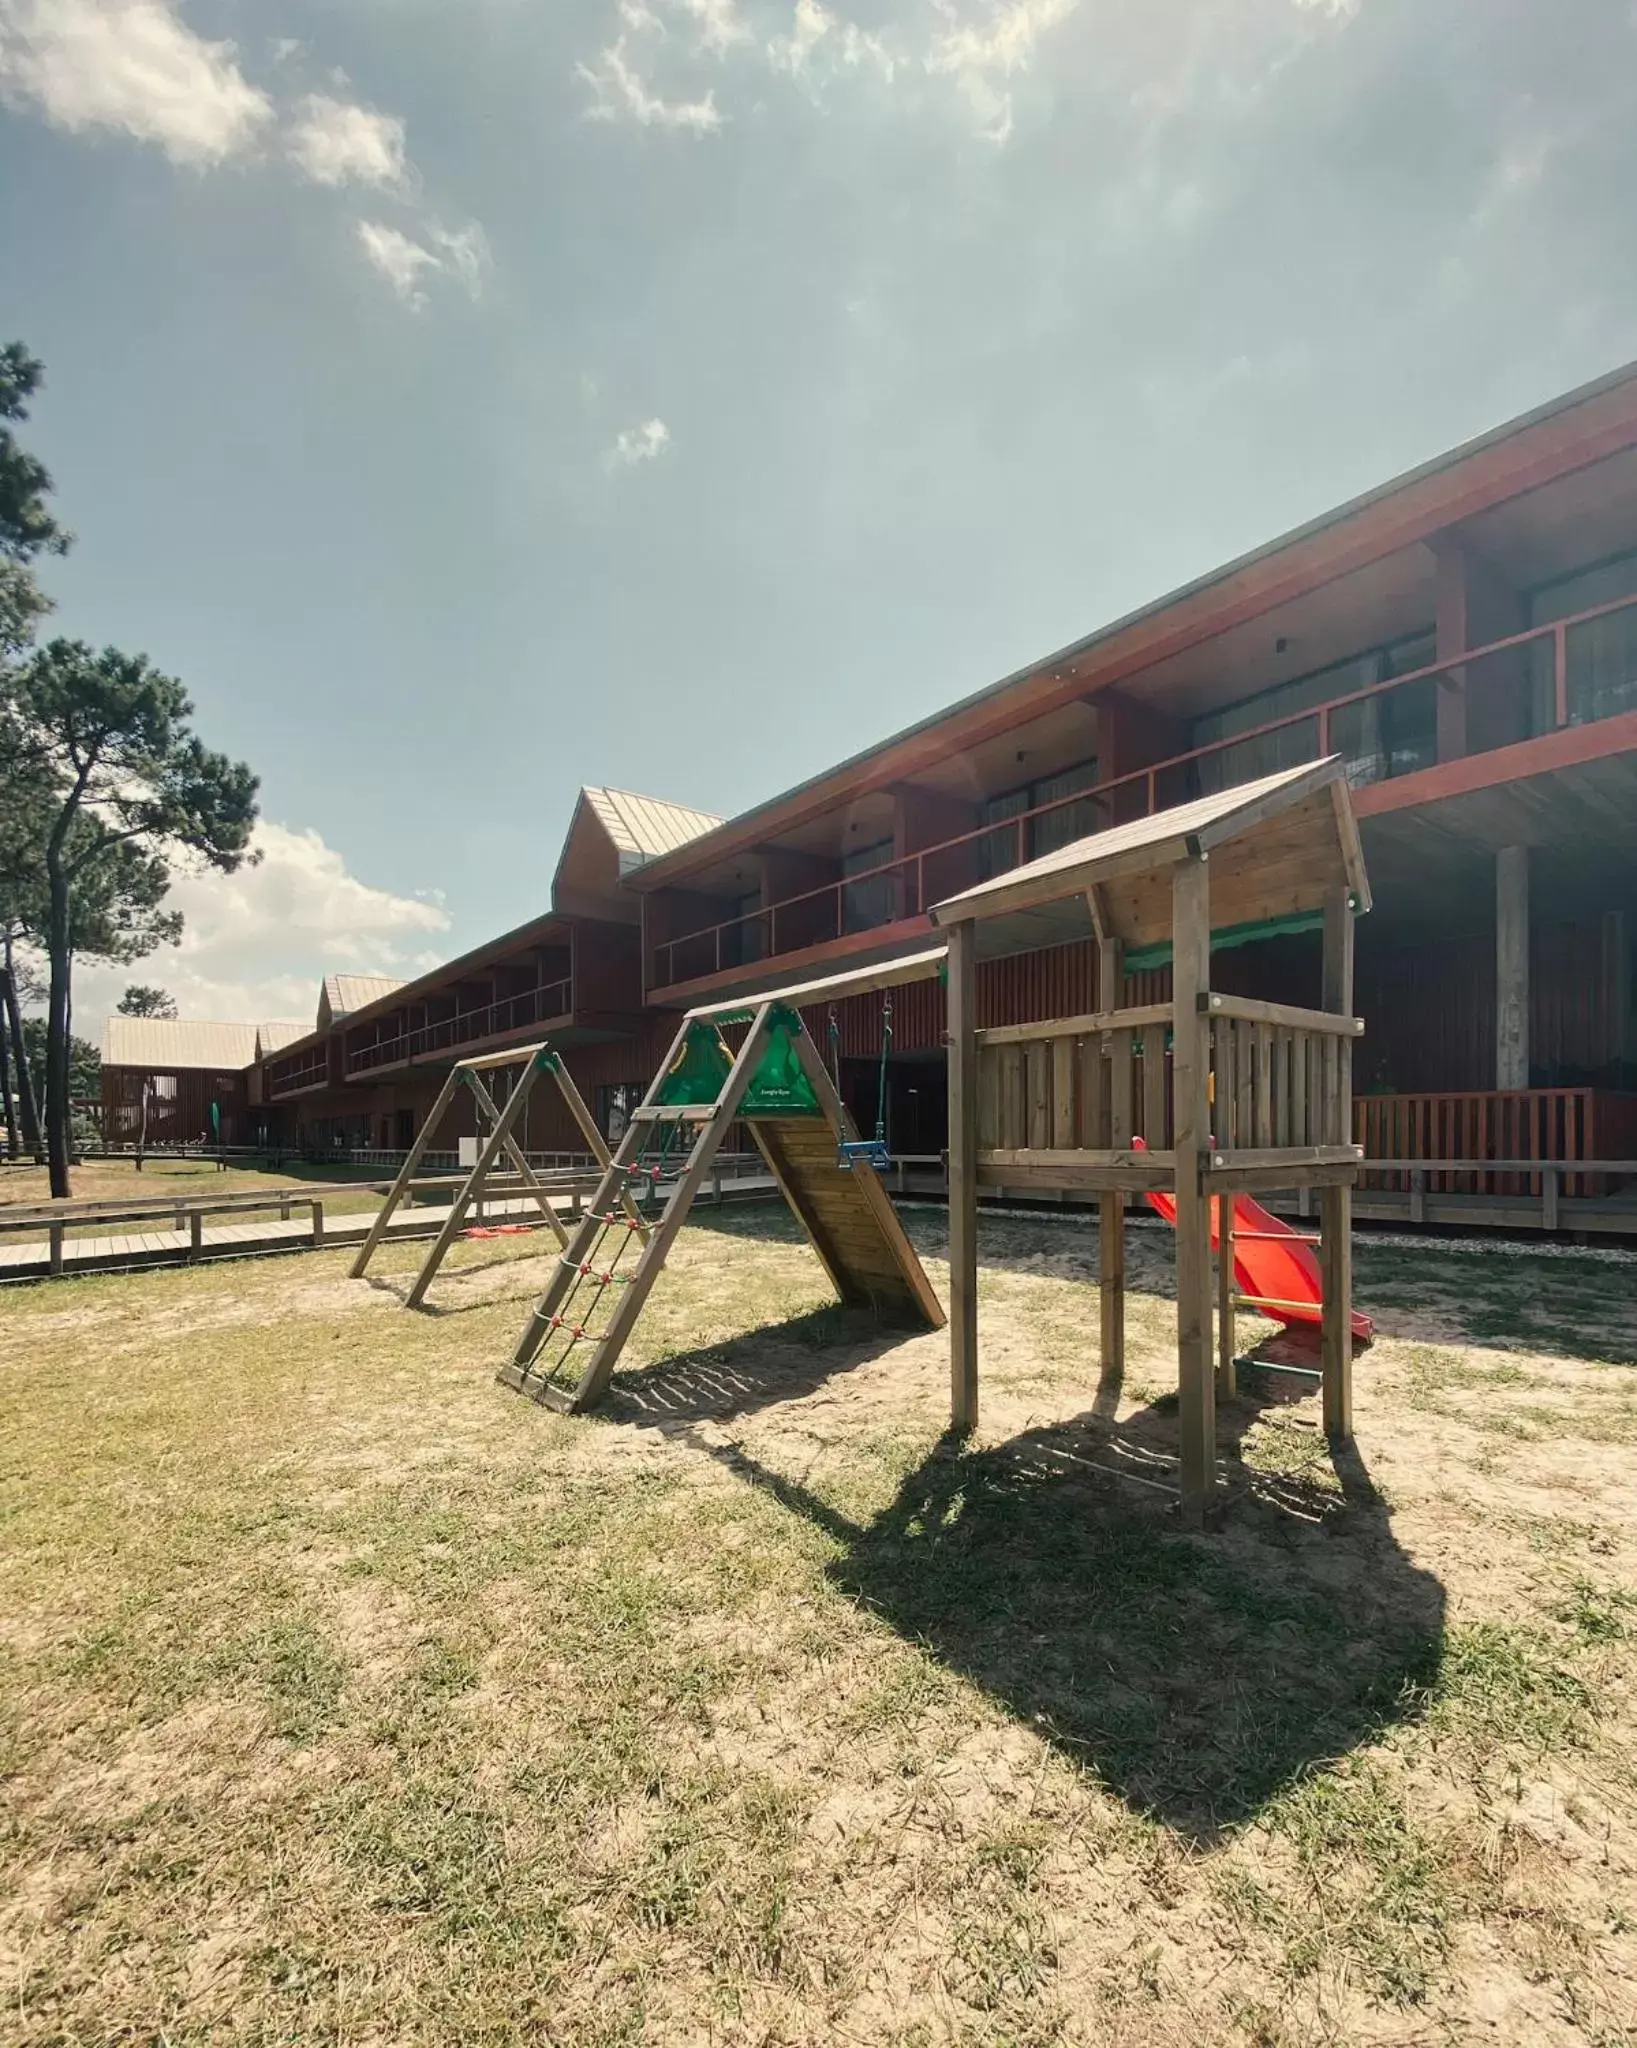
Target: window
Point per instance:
(1001, 849)
(875, 900)
(615, 1102)
(746, 940)
(1602, 664)
(1070, 821)
(1386, 735)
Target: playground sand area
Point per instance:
(348, 1697)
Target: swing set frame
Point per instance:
(497, 1124)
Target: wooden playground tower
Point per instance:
(776, 1086)
(1254, 1095)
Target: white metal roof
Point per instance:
(172, 1044)
(349, 992)
(276, 1033)
(643, 827)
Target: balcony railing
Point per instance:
(512, 1013)
(1572, 672)
(289, 1077)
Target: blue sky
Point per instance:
(473, 401)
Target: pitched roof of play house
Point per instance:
(1279, 844)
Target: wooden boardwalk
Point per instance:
(149, 1246)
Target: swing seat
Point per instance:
(873, 1152)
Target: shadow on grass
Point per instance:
(783, 1361)
(1196, 1677)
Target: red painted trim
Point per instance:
(1570, 748)
(682, 995)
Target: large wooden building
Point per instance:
(1465, 637)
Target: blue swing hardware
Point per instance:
(873, 1151)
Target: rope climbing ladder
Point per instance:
(777, 1084)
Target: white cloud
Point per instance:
(134, 67)
(843, 42)
(405, 263)
(812, 24)
(642, 443)
(1002, 41)
(621, 92)
(335, 142)
(256, 944)
(718, 22)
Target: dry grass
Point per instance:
(348, 1698)
(117, 1180)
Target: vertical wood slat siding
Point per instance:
(1560, 1124)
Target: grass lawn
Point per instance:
(347, 1697)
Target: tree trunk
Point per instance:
(56, 1039)
(5, 1087)
(27, 1110)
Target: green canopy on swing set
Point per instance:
(779, 1086)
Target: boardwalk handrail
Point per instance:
(94, 1209)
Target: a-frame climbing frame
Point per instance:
(777, 1085)
(496, 1124)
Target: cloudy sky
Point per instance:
(472, 401)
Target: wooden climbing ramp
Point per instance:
(777, 1086)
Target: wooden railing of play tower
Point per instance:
(1092, 1086)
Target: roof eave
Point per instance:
(755, 824)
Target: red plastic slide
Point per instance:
(1273, 1266)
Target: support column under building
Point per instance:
(1512, 967)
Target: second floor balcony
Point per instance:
(402, 1039)
(1575, 671)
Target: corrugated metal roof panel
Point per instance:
(170, 1044)
(349, 992)
(643, 827)
(277, 1033)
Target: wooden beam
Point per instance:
(1077, 1178)
(963, 1178)
(1292, 1159)
(1352, 847)
(1156, 1160)
(1288, 1016)
(921, 965)
(1090, 1024)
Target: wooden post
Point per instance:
(1191, 1118)
(1111, 1207)
(963, 1179)
(1227, 1378)
(1512, 967)
(318, 1225)
(406, 1173)
(1111, 1285)
(196, 1233)
(1336, 1203)
(499, 1140)
(55, 1235)
(1336, 1277)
